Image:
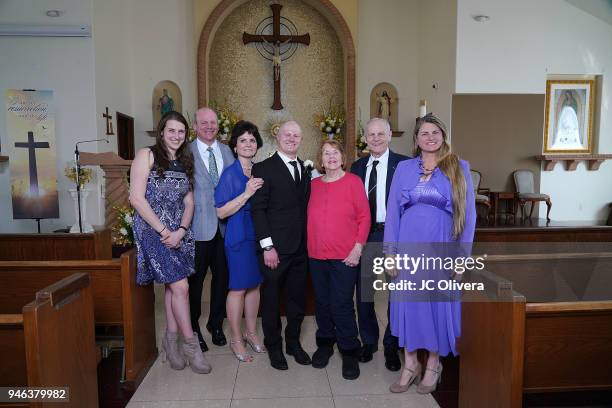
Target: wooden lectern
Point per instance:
(116, 185)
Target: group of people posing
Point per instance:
(263, 227)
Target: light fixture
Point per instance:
(481, 18)
(54, 13)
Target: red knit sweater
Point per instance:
(338, 217)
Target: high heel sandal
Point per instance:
(415, 377)
(258, 348)
(246, 357)
(427, 389)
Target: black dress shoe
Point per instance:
(203, 345)
(325, 349)
(277, 359)
(366, 353)
(350, 364)
(301, 357)
(218, 338)
(392, 360)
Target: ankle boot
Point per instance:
(194, 356)
(170, 351)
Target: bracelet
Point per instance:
(162, 230)
(183, 228)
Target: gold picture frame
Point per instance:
(568, 124)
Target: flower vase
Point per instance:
(330, 136)
(86, 226)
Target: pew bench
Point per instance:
(118, 301)
(536, 333)
(51, 343)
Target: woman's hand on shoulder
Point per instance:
(253, 185)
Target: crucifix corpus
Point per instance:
(109, 122)
(283, 45)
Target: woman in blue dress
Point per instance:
(232, 195)
(431, 211)
(160, 192)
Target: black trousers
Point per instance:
(209, 254)
(334, 285)
(366, 316)
(290, 275)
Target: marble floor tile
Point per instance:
(297, 402)
(164, 384)
(181, 404)
(405, 400)
(259, 380)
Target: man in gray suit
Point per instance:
(210, 159)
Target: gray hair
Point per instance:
(384, 122)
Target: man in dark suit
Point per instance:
(210, 159)
(278, 209)
(376, 170)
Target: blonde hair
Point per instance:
(336, 145)
(448, 163)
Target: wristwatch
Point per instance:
(268, 248)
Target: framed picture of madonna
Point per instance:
(568, 124)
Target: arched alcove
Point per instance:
(329, 12)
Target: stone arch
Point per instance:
(331, 13)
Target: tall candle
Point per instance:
(422, 108)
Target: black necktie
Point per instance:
(296, 173)
(372, 191)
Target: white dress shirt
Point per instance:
(204, 154)
(381, 184)
(286, 159)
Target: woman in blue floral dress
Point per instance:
(161, 194)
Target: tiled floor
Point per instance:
(256, 384)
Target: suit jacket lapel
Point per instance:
(361, 169)
(391, 165)
(198, 157)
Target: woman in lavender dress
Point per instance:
(160, 192)
(431, 210)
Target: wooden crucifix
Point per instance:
(109, 122)
(276, 39)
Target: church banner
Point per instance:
(30, 126)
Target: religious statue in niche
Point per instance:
(384, 103)
(166, 96)
(276, 40)
(166, 103)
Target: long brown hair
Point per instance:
(448, 163)
(160, 151)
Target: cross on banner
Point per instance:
(276, 39)
(32, 146)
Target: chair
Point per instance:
(523, 180)
(480, 198)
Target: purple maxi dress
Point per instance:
(420, 213)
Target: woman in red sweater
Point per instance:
(338, 226)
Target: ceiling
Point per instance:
(602, 9)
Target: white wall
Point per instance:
(437, 44)
(523, 42)
(388, 52)
(66, 66)
(161, 47)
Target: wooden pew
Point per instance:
(118, 301)
(512, 345)
(55, 247)
(51, 344)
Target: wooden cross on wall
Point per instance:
(276, 39)
(109, 122)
